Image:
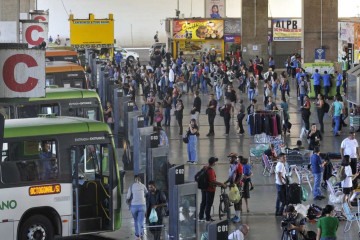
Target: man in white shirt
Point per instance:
(240, 233)
(171, 77)
(349, 146)
(280, 174)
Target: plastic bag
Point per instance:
(304, 195)
(153, 218)
(234, 194)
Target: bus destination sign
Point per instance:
(45, 190)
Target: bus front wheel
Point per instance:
(37, 227)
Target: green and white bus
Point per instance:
(59, 177)
(74, 102)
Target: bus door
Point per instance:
(92, 184)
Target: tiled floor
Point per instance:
(263, 224)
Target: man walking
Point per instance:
(339, 80)
(337, 112)
(316, 166)
(207, 196)
(349, 146)
(317, 78)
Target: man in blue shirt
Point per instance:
(339, 79)
(118, 58)
(327, 83)
(316, 166)
(298, 76)
(317, 78)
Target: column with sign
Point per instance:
(219, 230)
(182, 205)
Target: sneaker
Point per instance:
(236, 219)
(210, 220)
(201, 220)
(233, 218)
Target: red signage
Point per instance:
(34, 32)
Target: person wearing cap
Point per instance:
(207, 196)
(350, 146)
(234, 177)
(280, 174)
(240, 233)
(296, 221)
(136, 199)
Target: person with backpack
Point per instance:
(235, 175)
(155, 199)
(206, 179)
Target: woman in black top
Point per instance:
(179, 114)
(314, 136)
(320, 111)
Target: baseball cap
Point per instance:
(213, 160)
(232, 155)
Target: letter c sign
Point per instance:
(22, 73)
(28, 35)
(40, 18)
(8, 73)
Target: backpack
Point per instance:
(341, 174)
(326, 107)
(252, 84)
(201, 177)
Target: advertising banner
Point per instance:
(34, 32)
(310, 67)
(198, 29)
(232, 26)
(23, 73)
(232, 39)
(215, 8)
(286, 29)
(346, 31)
(92, 33)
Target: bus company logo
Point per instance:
(45, 190)
(7, 205)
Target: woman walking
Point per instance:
(136, 197)
(192, 144)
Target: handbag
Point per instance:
(153, 218)
(128, 201)
(186, 138)
(158, 118)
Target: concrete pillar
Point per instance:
(254, 24)
(9, 11)
(320, 27)
(27, 5)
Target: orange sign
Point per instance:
(198, 29)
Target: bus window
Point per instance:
(50, 109)
(28, 111)
(7, 112)
(49, 80)
(25, 162)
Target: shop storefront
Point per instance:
(194, 37)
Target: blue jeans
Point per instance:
(328, 238)
(302, 99)
(167, 116)
(317, 181)
(138, 213)
(251, 93)
(279, 198)
(203, 85)
(192, 148)
(218, 92)
(337, 124)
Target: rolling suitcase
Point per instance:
(293, 194)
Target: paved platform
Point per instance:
(261, 219)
